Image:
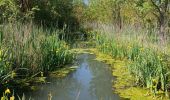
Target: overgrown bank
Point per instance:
(28, 51)
(124, 84)
(148, 65)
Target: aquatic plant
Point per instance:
(27, 49)
(148, 64)
(8, 95)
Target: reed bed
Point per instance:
(27, 49)
(148, 63)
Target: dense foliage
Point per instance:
(150, 14)
(58, 13)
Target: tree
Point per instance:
(150, 11)
(160, 11)
(8, 10)
(99, 11)
(117, 5)
(78, 10)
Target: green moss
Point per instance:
(79, 51)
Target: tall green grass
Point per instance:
(27, 49)
(148, 63)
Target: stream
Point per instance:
(91, 81)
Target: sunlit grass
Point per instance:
(148, 63)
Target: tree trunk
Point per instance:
(119, 19)
(162, 27)
(24, 5)
(162, 9)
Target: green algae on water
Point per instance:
(63, 72)
(125, 83)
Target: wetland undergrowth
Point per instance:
(147, 62)
(28, 51)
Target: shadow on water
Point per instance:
(91, 81)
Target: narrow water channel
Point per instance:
(91, 81)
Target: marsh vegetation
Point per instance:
(40, 39)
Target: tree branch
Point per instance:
(156, 6)
(166, 5)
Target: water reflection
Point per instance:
(91, 81)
